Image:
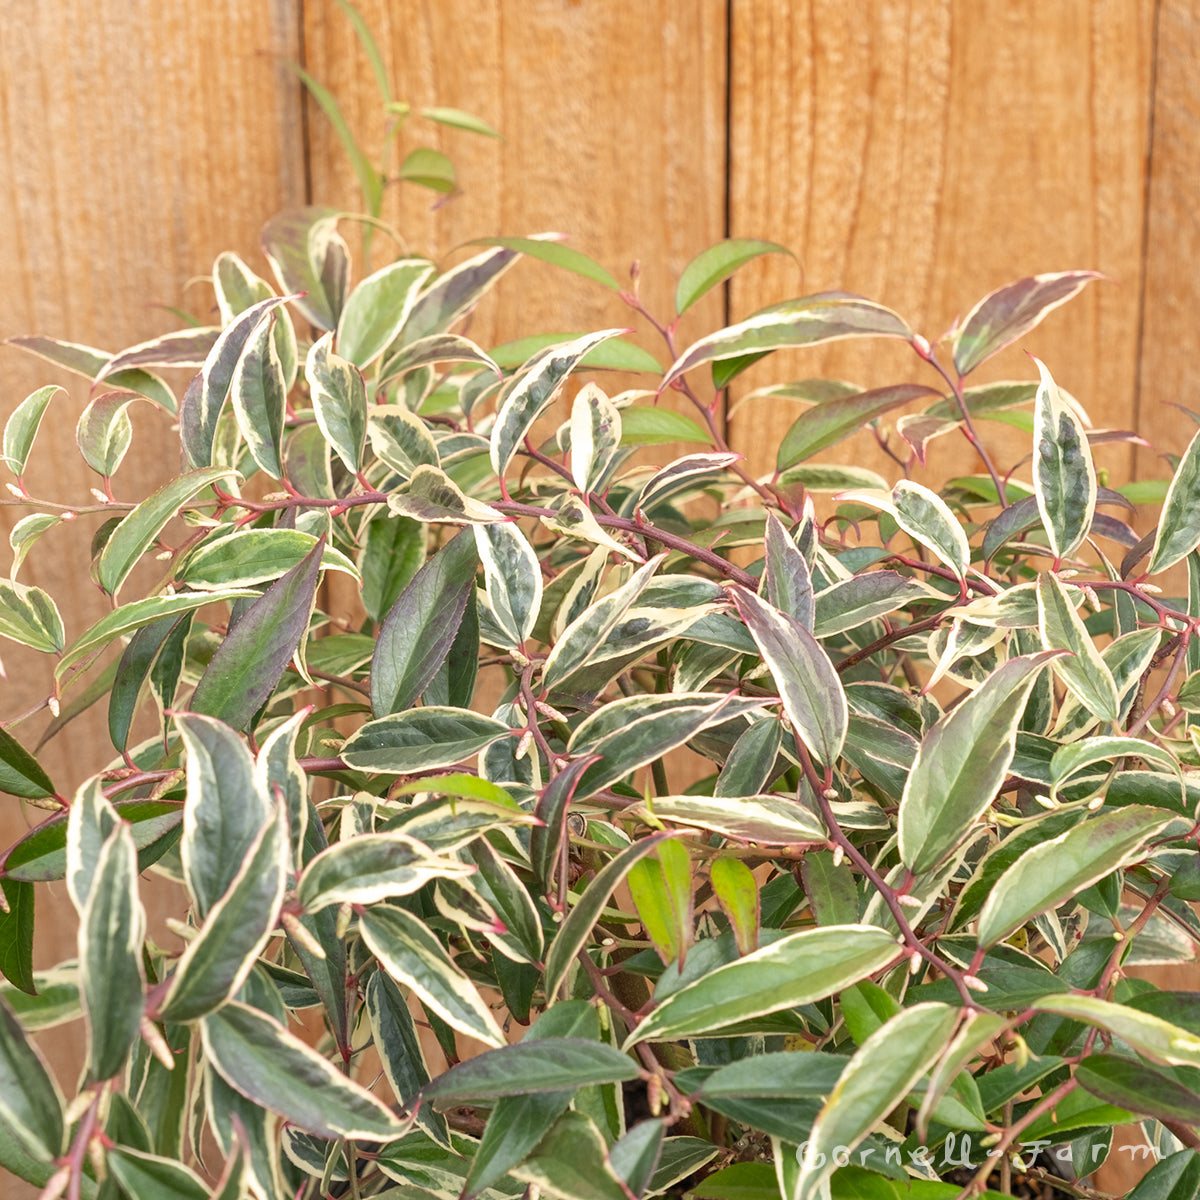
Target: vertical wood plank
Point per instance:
(138, 140)
(614, 120)
(924, 152)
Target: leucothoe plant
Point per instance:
(609, 845)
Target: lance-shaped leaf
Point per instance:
(718, 262)
(216, 962)
(20, 773)
(767, 820)
(571, 1162)
(750, 765)
(827, 423)
(251, 660)
(281, 778)
(373, 867)
(138, 530)
(824, 317)
(852, 602)
(533, 391)
(1148, 1034)
(572, 517)
(16, 933)
(252, 556)
(30, 1104)
(787, 576)
(339, 399)
(808, 685)
(961, 763)
(227, 806)
(1064, 478)
(310, 259)
(635, 1156)
(112, 928)
(642, 425)
(1083, 670)
(375, 311)
(796, 969)
(146, 1176)
(502, 889)
(394, 551)
(451, 294)
(126, 619)
(29, 616)
(90, 823)
(681, 475)
(533, 1065)
(401, 439)
(421, 739)
(1045, 876)
(661, 888)
(156, 652)
(1076, 755)
(879, 1075)
(549, 248)
(437, 348)
(512, 578)
(25, 533)
(736, 890)
(432, 496)
(21, 427)
(417, 633)
(595, 437)
(258, 394)
(1178, 532)
(574, 932)
(1126, 1083)
(925, 517)
(1010, 312)
(395, 1036)
(257, 1057)
(584, 635)
(636, 730)
(207, 393)
(547, 840)
(413, 956)
(179, 348)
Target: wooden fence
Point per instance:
(920, 152)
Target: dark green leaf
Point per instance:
(16, 934)
(256, 1056)
(1130, 1084)
(20, 773)
(571, 1162)
(30, 1104)
(1176, 1177)
(421, 739)
(249, 663)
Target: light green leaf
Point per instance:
(718, 262)
(661, 888)
(421, 739)
(571, 1162)
(645, 426)
(1064, 478)
(257, 1057)
(797, 969)
(1010, 312)
(112, 928)
(512, 577)
(129, 617)
(766, 820)
(30, 1103)
(961, 763)
(533, 391)
(376, 310)
(372, 867)
(22, 426)
(29, 616)
(139, 529)
(883, 1071)
(736, 890)
(1158, 1040)
(1076, 755)
(550, 249)
(216, 962)
(1053, 871)
(825, 317)
(339, 399)
(455, 118)
(809, 686)
(414, 957)
(1083, 670)
(1178, 532)
(428, 169)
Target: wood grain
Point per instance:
(924, 152)
(138, 141)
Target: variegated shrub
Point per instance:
(609, 848)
